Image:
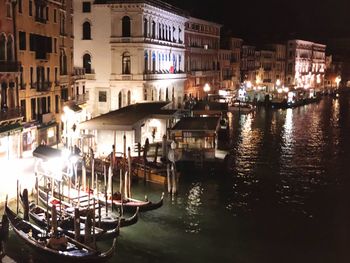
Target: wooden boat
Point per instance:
(130, 204)
(107, 222)
(240, 106)
(66, 224)
(60, 246)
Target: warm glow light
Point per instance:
(286, 89)
(279, 90)
(206, 87)
(337, 80)
(249, 84)
(223, 93)
(278, 82)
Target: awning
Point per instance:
(12, 128)
(45, 152)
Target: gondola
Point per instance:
(130, 204)
(66, 223)
(60, 247)
(108, 221)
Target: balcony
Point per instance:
(42, 86)
(40, 20)
(163, 76)
(11, 115)
(9, 66)
(78, 73)
(81, 98)
(204, 73)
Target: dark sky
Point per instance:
(260, 20)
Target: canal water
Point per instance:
(284, 197)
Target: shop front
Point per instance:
(10, 142)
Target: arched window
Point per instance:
(153, 29)
(63, 63)
(153, 62)
(87, 63)
(167, 94)
(10, 51)
(129, 97)
(126, 27)
(86, 30)
(120, 100)
(126, 63)
(146, 62)
(145, 27)
(2, 47)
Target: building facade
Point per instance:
(202, 39)
(226, 71)
(10, 113)
(45, 48)
(138, 56)
(306, 64)
(248, 65)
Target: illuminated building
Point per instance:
(202, 39)
(226, 71)
(334, 70)
(306, 64)
(248, 67)
(10, 113)
(131, 51)
(265, 65)
(45, 47)
(234, 45)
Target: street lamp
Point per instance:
(206, 89)
(337, 81)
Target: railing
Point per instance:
(40, 20)
(11, 114)
(155, 76)
(82, 98)
(9, 66)
(42, 86)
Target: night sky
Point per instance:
(274, 20)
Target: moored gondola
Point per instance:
(59, 246)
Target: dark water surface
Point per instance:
(286, 197)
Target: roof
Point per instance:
(197, 124)
(46, 152)
(125, 118)
(157, 3)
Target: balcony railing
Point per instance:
(9, 66)
(42, 86)
(82, 98)
(11, 114)
(40, 20)
(79, 73)
(157, 76)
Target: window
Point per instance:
(120, 100)
(86, 30)
(102, 96)
(30, 8)
(55, 15)
(153, 29)
(126, 63)
(22, 41)
(57, 101)
(63, 63)
(56, 73)
(31, 77)
(86, 7)
(87, 63)
(23, 108)
(145, 28)
(8, 10)
(126, 27)
(33, 108)
(129, 97)
(10, 49)
(2, 47)
(19, 2)
(146, 62)
(153, 62)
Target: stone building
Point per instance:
(131, 51)
(202, 39)
(248, 65)
(306, 64)
(10, 113)
(45, 48)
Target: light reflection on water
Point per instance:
(193, 206)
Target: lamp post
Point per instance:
(206, 89)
